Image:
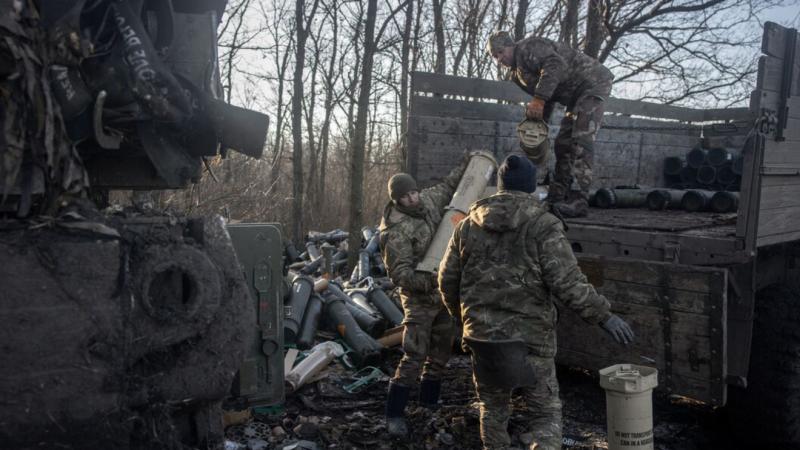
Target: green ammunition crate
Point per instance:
(259, 249)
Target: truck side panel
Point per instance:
(449, 115)
(777, 98)
(677, 313)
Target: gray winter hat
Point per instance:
(401, 184)
(497, 41)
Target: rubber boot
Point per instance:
(395, 410)
(429, 391)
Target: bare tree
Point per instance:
(309, 106)
(438, 26)
(405, 56)
(280, 54)
(595, 32)
(371, 40)
(330, 77)
(569, 25)
(359, 135)
(673, 51)
(677, 51)
(235, 20)
(520, 18)
(476, 58)
(302, 23)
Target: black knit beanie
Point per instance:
(516, 173)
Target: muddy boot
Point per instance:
(429, 391)
(556, 193)
(578, 207)
(395, 410)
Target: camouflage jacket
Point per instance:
(555, 71)
(405, 238)
(503, 264)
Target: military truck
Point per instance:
(713, 298)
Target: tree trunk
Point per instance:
(415, 40)
(569, 26)
(519, 21)
(354, 82)
(280, 115)
(476, 57)
(297, 121)
(310, 106)
(501, 25)
(594, 28)
(359, 136)
(330, 77)
(438, 25)
(404, 72)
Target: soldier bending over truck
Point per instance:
(554, 72)
(409, 223)
(503, 263)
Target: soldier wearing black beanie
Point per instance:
(516, 173)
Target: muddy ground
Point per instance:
(324, 414)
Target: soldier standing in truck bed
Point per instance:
(503, 267)
(407, 228)
(555, 72)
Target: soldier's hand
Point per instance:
(535, 109)
(434, 282)
(618, 329)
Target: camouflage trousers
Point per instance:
(574, 145)
(427, 339)
(542, 409)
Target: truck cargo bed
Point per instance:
(672, 236)
(712, 224)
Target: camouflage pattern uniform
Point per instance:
(37, 158)
(405, 237)
(501, 267)
(556, 72)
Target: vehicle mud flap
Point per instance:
(500, 363)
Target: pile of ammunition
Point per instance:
(715, 169)
(359, 310)
(704, 180)
(690, 200)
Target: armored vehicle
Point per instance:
(121, 329)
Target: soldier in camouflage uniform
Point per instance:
(502, 265)
(409, 223)
(555, 72)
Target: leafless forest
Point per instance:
(334, 77)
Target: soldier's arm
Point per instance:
(442, 193)
(552, 68)
(562, 275)
(398, 257)
(450, 273)
(529, 88)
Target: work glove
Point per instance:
(618, 329)
(535, 109)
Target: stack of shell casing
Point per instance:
(318, 304)
(357, 316)
(326, 255)
(691, 200)
(714, 169)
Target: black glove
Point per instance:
(618, 329)
(435, 281)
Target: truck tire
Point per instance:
(767, 412)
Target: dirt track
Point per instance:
(324, 413)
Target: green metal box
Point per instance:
(259, 250)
